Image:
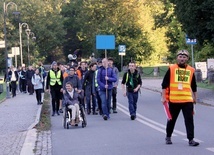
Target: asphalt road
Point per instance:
(144, 136)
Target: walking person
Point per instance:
(54, 83)
(99, 102)
(115, 84)
(13, 78)
(37, 81)
(29, 74)
(23, 80)
(105, 79)
(179, 89)
(43, 74)
(89, 88)
(131, 84)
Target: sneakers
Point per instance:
(193, 143)
(168, 140)
(60, 110)
(105, 117)
(114, 111)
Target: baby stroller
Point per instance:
(67, 114)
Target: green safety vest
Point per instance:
(55, 78)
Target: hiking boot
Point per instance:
(193, 143)
(133, 117)
(168, 140)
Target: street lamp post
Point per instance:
(29, 33)
(5, 39)
(20, 37)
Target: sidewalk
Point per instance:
(18, 116)
(205, 96)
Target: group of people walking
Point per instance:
(26, 80)
(95, 86)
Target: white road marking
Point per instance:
(210, 149)
(139, 119)
(155, 125)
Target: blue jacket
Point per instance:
(101, 78)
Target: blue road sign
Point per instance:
(105, 42)
(122, 49)
(191, 41)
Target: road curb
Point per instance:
(200, 101)
(31, 136)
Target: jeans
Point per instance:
(132, 99)
(106, 101)
(90, 97)
(114, 98)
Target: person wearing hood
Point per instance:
(54, 86)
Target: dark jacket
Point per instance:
(101, 78)
(74, 80)
(136, 80)
(70, 101)
(29, 74)
(89, 82)
(10, 75)
(23, 74)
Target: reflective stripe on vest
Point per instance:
(180, 84)
(96, 84)
(55, 78)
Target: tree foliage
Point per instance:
(197, 18)
(151, 30)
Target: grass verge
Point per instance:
(205, 85)
(3, 94)
(45, 120)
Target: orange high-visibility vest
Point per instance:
(180, 84)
